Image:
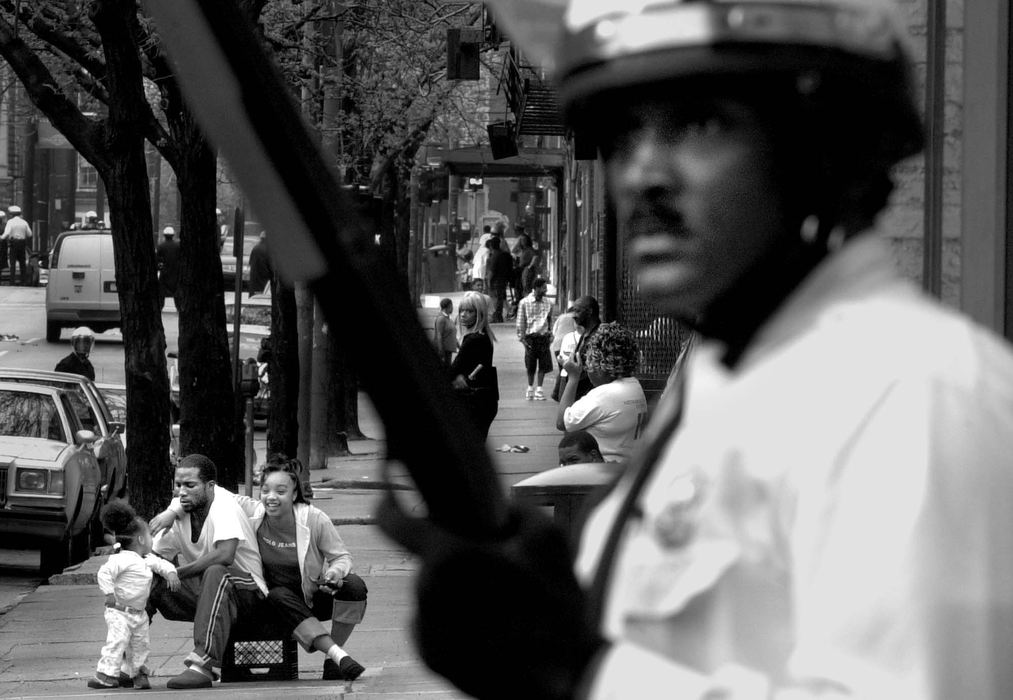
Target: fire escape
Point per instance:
(530, 98)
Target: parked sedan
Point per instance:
(50, 481)
(94, 415)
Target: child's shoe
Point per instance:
(102, 681)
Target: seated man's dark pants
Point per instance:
(345, 609)
(213, 601)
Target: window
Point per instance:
(87, 175)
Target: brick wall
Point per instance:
(903, 222)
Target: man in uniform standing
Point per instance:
(167, 255)
(17, 234)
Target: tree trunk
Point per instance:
(343, 389)
(207, 399)
(149, 474)
(125, 173)
(283, 372)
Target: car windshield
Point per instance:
(249, 315)
(26, 414)
(78, 399)
(116, 400)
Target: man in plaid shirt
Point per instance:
(534, 329)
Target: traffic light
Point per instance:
(462, 53)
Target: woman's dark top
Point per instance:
(476, 349)
(280, 556)
(482, 399)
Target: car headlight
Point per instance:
(39, 481)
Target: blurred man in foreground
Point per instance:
(825, 513)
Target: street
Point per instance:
(23, 336)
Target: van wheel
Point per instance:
(53, 329)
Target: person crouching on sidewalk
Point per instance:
(125, 579)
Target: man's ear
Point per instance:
(211, 482)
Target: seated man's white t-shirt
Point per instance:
(225, 521)
(614, 413)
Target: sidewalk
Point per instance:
(49, 642)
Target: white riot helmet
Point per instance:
(82, 340)
(14, 210)
(855, 47)
(168, 232)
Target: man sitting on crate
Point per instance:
(219, 568)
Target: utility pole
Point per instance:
(303, 297)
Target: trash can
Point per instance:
(441, 269)
(565, 489)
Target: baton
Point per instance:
(246, 111)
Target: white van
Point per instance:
(82, 283)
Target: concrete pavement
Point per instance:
(49, 643)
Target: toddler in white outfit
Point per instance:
(126, 580)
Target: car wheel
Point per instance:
(53, 329)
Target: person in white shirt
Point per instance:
(220, 568)
(827, 512)
(614, 412)
(18, 234)
(125, 578)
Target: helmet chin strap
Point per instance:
(736, 316)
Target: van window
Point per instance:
(82, 250)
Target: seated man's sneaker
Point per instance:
(101, 680)
(190, 679)
(347, 670)
(350, 668)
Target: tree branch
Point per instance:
(83, 133)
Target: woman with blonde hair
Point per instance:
(472, 373)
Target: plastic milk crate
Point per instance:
(267, 654)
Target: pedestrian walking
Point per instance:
(261, 271)
(478, 268)
(499, 269)
(588, 317)
(565, 335)
(472, 373)
(444, 333)
(827, 515)
(528, 260)
(125, 579)
(17, 234)
(534, 330)
(615, 410)
(167, 256)
(82, 340)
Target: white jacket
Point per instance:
(833, 517)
